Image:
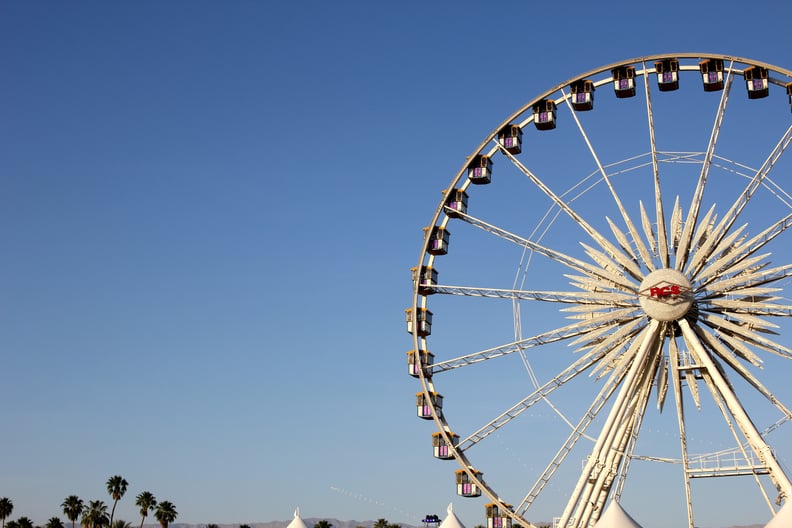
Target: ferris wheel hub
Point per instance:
(666, 295)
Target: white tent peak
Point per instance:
(451, 520)
(783, 518)
(616, 517)
(297, 522)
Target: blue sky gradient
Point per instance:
(208, 212)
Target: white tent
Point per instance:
(451, 520)
(783, 518)
(616, 517)
(297, 522)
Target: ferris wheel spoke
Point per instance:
(730, 250)
(613, 252)
(747, 311)
(712, 343)
(676, 225)
(736, 346)
(603, 299)
(754, 305)
(704, 230)
(616, 356)
(703, 254)
(683, 250)
(748, 264)
(613, 277)
(581, 365)
(646, 224)
(545, 338)
(744, 332)
(625, 244)
(729, 253)
(609, 337)
(749, 279)
(642, 251)
(662, 235)
(600, 258)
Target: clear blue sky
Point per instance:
(208, 212)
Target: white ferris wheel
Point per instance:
(611, 308)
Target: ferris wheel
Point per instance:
(610, 310)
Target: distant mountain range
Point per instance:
(283, 524)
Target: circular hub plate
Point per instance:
(666, 295)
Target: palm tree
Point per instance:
(6, 507)
(95, 515)
(87, 517)
(381, 523)
(121, 523)
(116, 487)
(24, 522)
(54, 522)
(323, 524)
(12, 524)
(72, 508)
(166, 513)
(146, 501)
